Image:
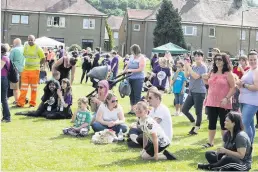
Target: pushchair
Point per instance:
(102, 73)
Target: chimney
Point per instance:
(238, 3)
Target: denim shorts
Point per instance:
(179, 98)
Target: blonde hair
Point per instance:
(143, 105)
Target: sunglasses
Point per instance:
(100, 87)
(113, 101)
(218, 59)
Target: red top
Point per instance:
(238, 72)
(218, 90)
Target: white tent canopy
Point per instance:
(47, 42)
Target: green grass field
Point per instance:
(37, 144)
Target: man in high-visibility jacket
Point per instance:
(34, 57)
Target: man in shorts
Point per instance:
(17, 57)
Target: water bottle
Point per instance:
(120, 135)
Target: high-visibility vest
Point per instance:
(32, 59)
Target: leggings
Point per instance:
(196, 100)
(213, 114)
(50, 64)
(225, 163)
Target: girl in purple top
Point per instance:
(5, 65)
(126, 59)
(161, 73)
(249, 95)
(64, 110)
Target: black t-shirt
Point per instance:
(50, 99)
(241, 141)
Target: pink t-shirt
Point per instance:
(7, 63)
(218, 90)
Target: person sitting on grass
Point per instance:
(110, 115)
(82, 119)
(49, 101)
(154, 138)
(236, 154)
(64, 110)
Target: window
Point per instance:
(257, 36)
(136, 27)
(24, 19)
(190, 30)
(210, 52)
(115, 35)
(243, 35)
(88, 23)
(20, 19)
(212, 32)
(56, 21)
(15, 19)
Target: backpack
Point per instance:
(12, 73)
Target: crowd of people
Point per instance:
(225, 89)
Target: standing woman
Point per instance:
(136, 66)
(86, 65)
(5, 66)
(64, 65)
(96, 58)
(219, 98)
(51, 58)
(197, 91)
(249, 95)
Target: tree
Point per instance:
(110, 36)
(168, 27)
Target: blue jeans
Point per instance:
(136, 86)
(248, 112)
(96, 126)
(179, 98)
(4, 90)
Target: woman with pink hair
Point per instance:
(95, 101)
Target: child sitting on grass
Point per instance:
(82, 120)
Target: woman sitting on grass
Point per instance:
(110, 115)
(236, 154)
(154, 137)
(49, 101)
(64, 110)
(82, 120)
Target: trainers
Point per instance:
(5, 120)
(31, 106)
(169, 155)
(72, 133)
(203, 166)
(192, 132)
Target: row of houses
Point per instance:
(205, 23)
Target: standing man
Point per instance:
(34, 57)
(114, 64)
(17, 57)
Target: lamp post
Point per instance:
(241, 31)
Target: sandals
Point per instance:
(207, 145)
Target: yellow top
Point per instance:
(33, 55)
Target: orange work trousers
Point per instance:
(28, 77)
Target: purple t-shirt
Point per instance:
(96, 60)
(114, 62)
(161, 76)
(68, 98)
(4, 71)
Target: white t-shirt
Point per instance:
(109, 115)
(150, 126)
(163, 113)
